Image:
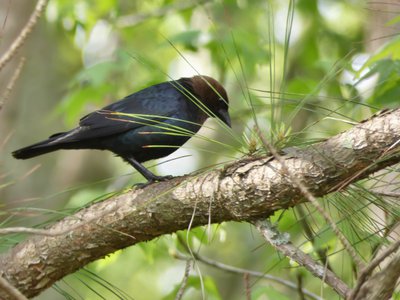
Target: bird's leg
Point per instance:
(145, 172)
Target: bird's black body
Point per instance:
(148, 124)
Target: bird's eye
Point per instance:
(222, 102)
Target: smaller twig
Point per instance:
(189, 249)
(235, 270)
(23, 35)
(281, 243)
(12, 82)
(11, 290)
(366, 272)
(185, 278)
(310, 197)
(247, 287)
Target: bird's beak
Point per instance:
(223, 115)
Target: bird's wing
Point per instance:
(147, 107)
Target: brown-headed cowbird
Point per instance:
(148, 124)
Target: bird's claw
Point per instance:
(152, 180)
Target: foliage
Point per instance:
(291, 70)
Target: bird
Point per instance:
(148, 124)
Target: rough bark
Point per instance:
(243, 191)
(382, 284)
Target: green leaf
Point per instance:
(387, 90)
(188, 39)
(389, 51)
(72, 105)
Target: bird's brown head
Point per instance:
(212, 94)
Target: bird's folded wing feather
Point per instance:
(128, 114)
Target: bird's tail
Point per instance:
(43, 147)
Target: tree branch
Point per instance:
(366, 272)
(236, 270)
(243, 191)
(25, 32)
(282, 244)
(382, 284)
(310, 197)
(185, 278)
(11, 83)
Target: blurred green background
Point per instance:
(302, 70)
